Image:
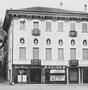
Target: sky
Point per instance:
(77, 5)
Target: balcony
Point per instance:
(73, 33)
(73, 63)
(35, 62)
(36, 32)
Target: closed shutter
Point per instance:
(48, 53)
(60, 26)
(85, 54)
(84, 27)
(60, 54)
(73, 53)
(35, 53)
(48, 26)
(72, 26)
(35, 24)
(22, 52)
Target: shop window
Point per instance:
(48, 26)
(48, 41)
(22, 24)
(60, 42)
(36, 41)
(84, 42)
(85, 75)
(72, 42)
(22, 41)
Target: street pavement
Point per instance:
(42, 87)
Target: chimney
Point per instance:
(61, 4)
(85, 7)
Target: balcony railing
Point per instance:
(73, 63)
(73, 33)
(36, 32)
(35, 62)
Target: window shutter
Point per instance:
(72, 26)
(48, 54)
(48, 26)
(35, 24)
(22, 53)
(84, 27)
(60, 26)
(85, 54)
(73, 53)
(35, 53)
(60, 54)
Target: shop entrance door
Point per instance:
(85, 76)
(35, 75)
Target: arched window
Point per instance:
(22, 40)
(48, 41)
(84, 42)
(72, 42)
(60, 42)
(35, 41)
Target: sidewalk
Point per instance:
(3, 81)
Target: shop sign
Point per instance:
(55, 67)
(57, 71)
(57, 78)
(73, 63)
(21, 67)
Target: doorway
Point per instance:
(35, 75)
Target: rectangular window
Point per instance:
(85, 54)
(72, 53)
(60, 54)
(60, 27)
(48, 26)
(22, 52)
(35, 53)
(0, 52)
(22, 25)
(48, 54)
(84, 27)
(72, 27)
(35, 24)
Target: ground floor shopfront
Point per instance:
(49, 74)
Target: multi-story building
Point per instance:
(47, 45)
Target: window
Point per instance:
(85, 54)
(72, 53)
(22, 25)
(60, 42)
(60, 54)
(48, 26)
(48, 54)
(35, 41)
(72, 42)
(35, 53)
(35, 24)
(60, 26)
(0, 52)
(48, 41)
(84, 27)
(72, 27)
(22, 40)
(22, 52)
(84, 42)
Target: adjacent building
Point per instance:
(47, 45)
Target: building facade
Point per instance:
(47, 45)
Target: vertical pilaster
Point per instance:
(43, 75)
(79, 76)
(67, 76)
